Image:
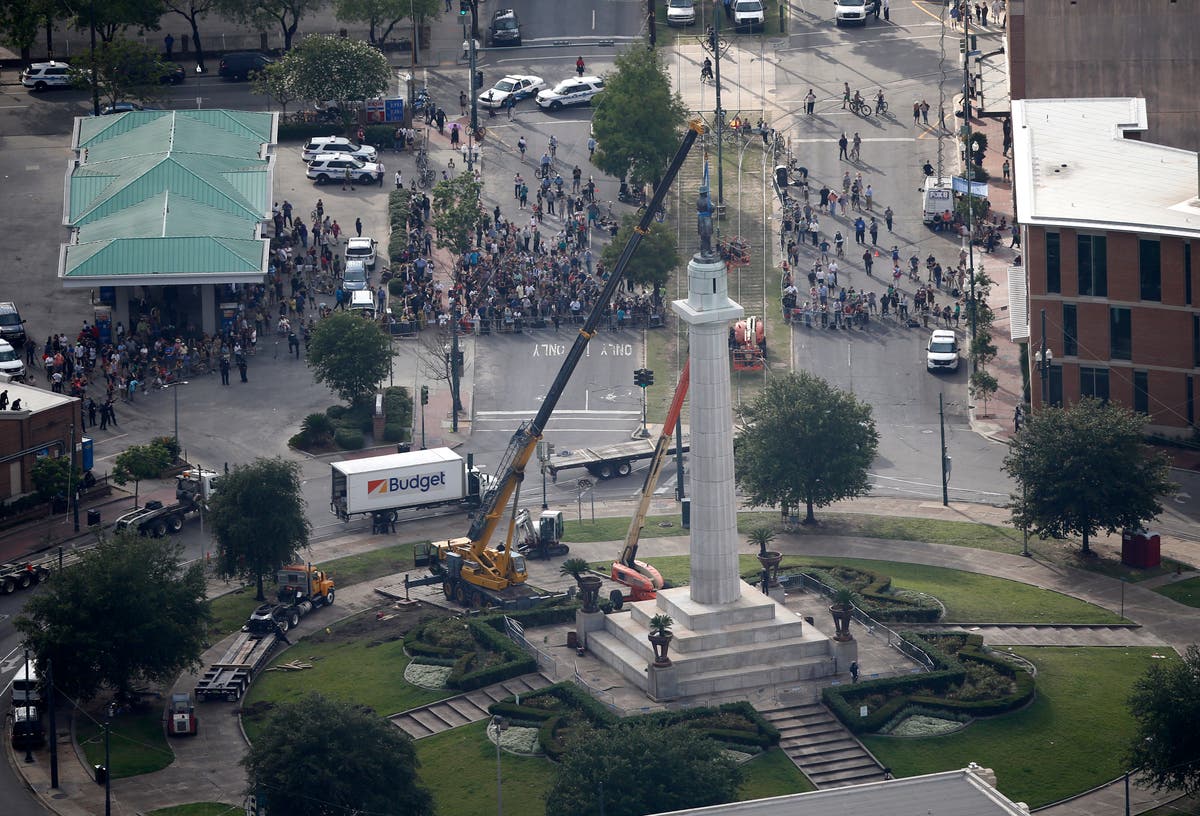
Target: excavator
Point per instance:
(643, 580)
(472, 572)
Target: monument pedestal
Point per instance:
(845, 652)
(587, 622)
(662, 683)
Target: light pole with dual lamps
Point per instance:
(499, 726)
(1044, 357)
(175, 393)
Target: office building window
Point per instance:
(1195, 341)
(1093, 382)
(1120, 334)
(1187, 273)
(1070, 330)
(1053, 262)
(1191, 401)
(1092, 251)
(1150, 269)
(1141, 392)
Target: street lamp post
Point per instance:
(945, 458)
(500, 725)
(28, 740)
(107, 773)
(175, 393)
(1044, 357)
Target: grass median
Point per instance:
(137, 743)
(199, 809)
(1186, 592)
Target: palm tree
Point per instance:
(575, 567)
(762, 536)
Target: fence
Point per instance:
(873, 627)
(516, 633)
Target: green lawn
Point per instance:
(465, 753)
(199, 809)
(772, 774)
(968, 597)
(137, 742)
(1186, 592)
(614, 529)
(1068, 740)
(353, 663)
(1184, 806)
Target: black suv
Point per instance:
(505, 28)
(240, 64)
(12, 327)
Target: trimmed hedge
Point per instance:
(303, 131)
(948, 674)
(349, 439)
(874, 596)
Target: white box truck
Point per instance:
(383, 485)
(936, 197)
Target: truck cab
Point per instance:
(299, 582)
(197, 485)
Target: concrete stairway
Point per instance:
(822, 748)
(427, 720)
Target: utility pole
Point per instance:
(967, 53)
(95, 86)
(52, 704)
(945, 458)
(72, 488)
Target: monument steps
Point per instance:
(820, 746)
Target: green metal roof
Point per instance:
(169, 196)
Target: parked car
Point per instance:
(748, 15)
(42, 76)
(324, 145)
(517, 86)
(505, 28)
(354, 277)
(941, 354)
(681, 13)
(334, 166)
(240, 64)
(120, 107)
(361, 249)
(174, 75)
(573, 91)
(853, 12)
(12, 326)
(11, 363)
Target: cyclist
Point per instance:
(856, 102)
(521, 145)
(558, 182)
(553, 146)
(545, 165)
(706, 70)
(880, 103)
(840, 242)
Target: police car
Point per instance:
(518, 86)
(573, 91)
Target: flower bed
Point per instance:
(924, 725)
(516, 739)
(427, 676)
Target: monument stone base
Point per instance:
(716, 649)
(588, 622)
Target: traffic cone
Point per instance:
(876, 253)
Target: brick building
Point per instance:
(1109, 220)
(42, 427)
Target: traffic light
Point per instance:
(464, 8)
(424, 394)
(643, 377)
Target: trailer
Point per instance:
(384, 485)
(301, 590)
(609, 461)
(193, 489)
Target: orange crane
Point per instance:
(643, 580)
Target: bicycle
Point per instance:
(881, 107)
(860, 107)
(422, 159)
(426, 177)
(553, 147)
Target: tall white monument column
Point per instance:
(708, 311)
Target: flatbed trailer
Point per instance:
(608, 461)
(24, 573)
(229, 677)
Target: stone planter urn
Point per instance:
(841, 622)
(660, 638)
(770, 561)
(589, 591)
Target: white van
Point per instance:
(26, 686)
(362, 302)
(936, 198)
(11, 365)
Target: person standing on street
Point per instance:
(845, 95)
(346, 179)
(843, 143)
(579, 66)
(887, 11)
(399, 179)
(169, 43)
(462, 98)
(224, 370)
(241, 364)
(358, 226)
(810, 102)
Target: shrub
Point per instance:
(396, 288)
(336, 412)
(349, 439)
(394, 432)
(317, 428)
(303, 131)
(397, 405)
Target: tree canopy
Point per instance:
(147, 461)
(111, 16)
(456, 212)
(52, 476)
(257, 518)
(123, 70)
(318, 757)
(804, 441)
(656, 257)
(262, 14)
(324, 67)
(350, 355)
(128, 613)
(1084, 469)
(20, 22)
(641, 768)
(382, 16)
(638, 119)
(1165, 702)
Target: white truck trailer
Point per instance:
(383, 485)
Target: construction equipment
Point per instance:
(193, 490)
(544, 540)
(301, 590)
(181, 716)
(643, 580)
(748, 344)
(469, 566)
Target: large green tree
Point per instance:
(113, 16)
(1083, 469)
(139, 462)
(20, 21)
(456, 212)
(122, 70)
(257, 517)
(642, 768)
(1165, 702)
(350, 355)
(638, 119)
(653, 261)
(804, 441)
(278, 82)
(323, 67)
(382, 16)
(128, 613)
(286, 14)
(52, 476)
(319, 757)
